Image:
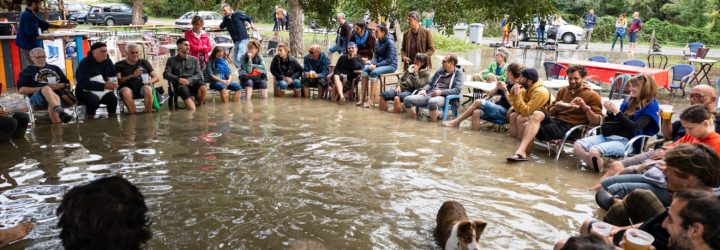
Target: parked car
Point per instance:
(76, 12)
(567, 33)
(110, 14)
(211, 19)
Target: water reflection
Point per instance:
(265, 174)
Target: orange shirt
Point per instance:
(712, 140)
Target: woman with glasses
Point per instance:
(638, 115)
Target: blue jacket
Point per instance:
(589, 21)
(235, 24)
(321, 66)
(28, 30)
(385, 53)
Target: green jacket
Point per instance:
(247, 66)
(491, 70)
(412, 81)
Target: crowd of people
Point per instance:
(681, 174)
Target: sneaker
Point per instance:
(65, 117)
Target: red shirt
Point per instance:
(712, 140)
(198, 45)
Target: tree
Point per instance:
(295, 23)
(137, 10)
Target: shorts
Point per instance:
(37, 99)
(633, 37)
(136, 93)
(494, 113)
(318, 82)
(552, 129)
(233, 86)
(186, 91)
(608, 146)
(259, 84)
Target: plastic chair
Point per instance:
(598, 59)
(692, 49)
(681, 73)
(637, 63)
(112, 46)
(619, 85)
(553, 70)
(560, 145)
(446, 107)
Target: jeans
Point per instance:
(540, 36)
(233, 86)
(608, 146)
(337, 48)
(622, 185)
(390, 94)
(373, 75)
(238, 51)
(13, 127)
(621, 35)
(284, 85)
(494, 113)
(433, 103)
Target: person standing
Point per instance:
(28, 35)
(416, 40)
(200, 42)
(589, 26)
(620, 26)
(235, 23)
(280, 17)
(344, 32)
(505, 29)
(541, 31)
(635, 27)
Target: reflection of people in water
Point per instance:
(15, 233)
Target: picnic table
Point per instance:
(608, 71)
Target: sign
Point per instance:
(55, 50)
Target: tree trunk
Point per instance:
(137, 9)
(296, 28)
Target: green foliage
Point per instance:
(687, 12)
(451, 44)
(667, 32)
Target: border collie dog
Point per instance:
(454, 230)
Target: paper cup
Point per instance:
(636, 239)
(602, 228)
(145, 78)
(113, 79)
(51, 80)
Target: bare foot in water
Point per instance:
(452, 123)
(15, 233)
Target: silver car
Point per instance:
(211, 19)
(567, 33)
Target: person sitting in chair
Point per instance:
(496, 70)
(415, 77)
(448, 80)
(252, 71)
(183, 72)
(286, 70)
(95, 80)
(136, 77)
(316, 67)
(41, 82)
(383, 62)
(344, 73)
(218, 70)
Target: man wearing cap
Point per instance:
(94, 83)
(416, 40)
(526, 97)
(574, 105)
(344, 73)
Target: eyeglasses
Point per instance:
(697, 96)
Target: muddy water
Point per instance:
(262, 175)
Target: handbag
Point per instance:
(255, 75)
(67, 96)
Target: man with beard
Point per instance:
(574, 105)
(693, 221)
(28, 35)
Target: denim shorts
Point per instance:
(233, 86)
(608, 146)
(494, 113)
(38, 100)
(633, 37)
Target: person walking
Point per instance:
(635, 26)
(235, 23)
(589, 26)
(505, 26)
(620, 26)
(541, 31)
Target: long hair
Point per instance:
(108, 213)
(424, 59)
(698, 160)
(622, 20)
(215, 51)
(648, 91)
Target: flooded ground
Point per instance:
(266, 173)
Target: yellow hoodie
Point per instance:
(536, 98)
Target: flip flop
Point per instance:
(516, 158)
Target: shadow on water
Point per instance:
(264, 174)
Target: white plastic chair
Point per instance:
(112, 47)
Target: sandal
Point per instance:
(516, 158)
